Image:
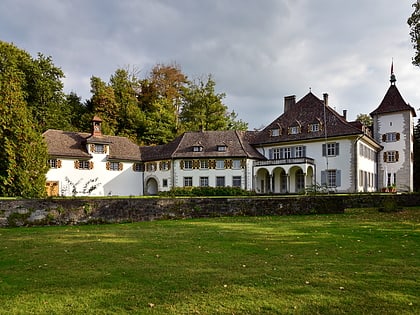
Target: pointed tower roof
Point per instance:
(393, 101)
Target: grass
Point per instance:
(359, 262)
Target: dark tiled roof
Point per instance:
(182, 147)
(234, 141)
(306, 111)
(393, 102)
(73, 145)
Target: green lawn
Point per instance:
(360, 262)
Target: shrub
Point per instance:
(206, 191)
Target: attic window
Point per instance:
(294, 130)
(275, 132)
(221, 148)
(197, 148)
(313, 127)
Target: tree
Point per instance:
(104, 104)
(417, 156)
(160, 125)
(414, 23)
(203, 108)
(130, 117)
(168, 81)
(365, 119)
(234, 123)
(23, 158)
(44, 94)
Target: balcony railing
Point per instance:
(303, 160)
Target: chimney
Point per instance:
(326, 99)
(345, 114)
(289, 102)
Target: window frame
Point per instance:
(188, 181)
(220, 181)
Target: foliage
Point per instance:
(414, 23)
(206, 191)
(365, 119)
(416, 175)
(203, 108)
(359, 262)
(24, 154)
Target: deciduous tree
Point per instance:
(414, 23)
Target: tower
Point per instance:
(393, 128)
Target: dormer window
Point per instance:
(275, 132)
(294, 130)
(313, 127)
(197, 148)
(221, 148)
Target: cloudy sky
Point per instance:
(258, 51)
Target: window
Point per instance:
(221, 148)
(204, 164)
(277, 153)
(83, 165)
(294, 130)
(313, 127)
(164, 183)
(204, 181)
(188, 181)
(330, 149)
(236, 164)
(151, 167)
(54, 163)
(115, 166)
(99, 148)
(236, 181)
(299, 151)
(164, 165)
(220, 164)
(391, 156)
(137, 167)
(287, 153)
(275, 132)
(331, 178)
(188, 165)
(197, 148)
(220, 181)
(391, 137)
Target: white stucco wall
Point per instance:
(122, 183)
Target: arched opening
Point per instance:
(151, 187)
(262, 183)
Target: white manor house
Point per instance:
(309, 144)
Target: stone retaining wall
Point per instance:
(108, 210)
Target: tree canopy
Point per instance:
(24, 154)
(414, 23)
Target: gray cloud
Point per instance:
(257, 51)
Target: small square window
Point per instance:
(275, 132)
(52, 163)
(220, 181)
(220, 164)
(137, 167)
(84, 165)
(188, 181)
(236, 181)
(236, 164)
(188, 165)
(204, 181)
(221, 148)
(204, 164)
